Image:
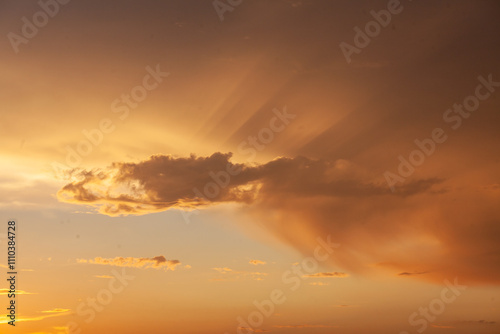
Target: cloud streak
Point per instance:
(327, 275)
(49, 314)
(157, 262)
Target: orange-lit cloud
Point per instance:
(51, 313)
(411, 274)
(257, 262)
(476, 322)
(256, 330)
(224, 270)
(57, 310)
(157, 262)
(232, 275)
(327, 275)
(18, 292)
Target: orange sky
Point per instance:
(256, 166)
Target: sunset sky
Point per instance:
(256, 166)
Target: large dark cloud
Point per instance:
(164, 182)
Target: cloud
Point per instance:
(229, 274)
(249, 329)
(412, 274)
(57, 310)
(257, 262)
(319, 283)
(18, 292)
(157, 262)
(441, 326)
(50, 314)
(164, 182)
(223, 270)
(103, 276)
(327, 275)
(476, 322)
(304, 326)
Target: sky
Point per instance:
(228, 166)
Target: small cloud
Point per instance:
(18, 292)
(319, 283)
(327, 275)
(157, 262)
(224, 270)
(232, 275)
(441, 326)
(57, 310)
(48, 314)
(103, 276)
(412, 274)
(257, 262)
(249, 329)
(476, 322)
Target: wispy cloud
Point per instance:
(103, 276)
(228, 274)
(18, 292)
(319, 283)
(256, 330)
(327, 275)
(157, 262)
(57, 310)
(475, 322)
(441, 326)
(49, 314)
(412, 274)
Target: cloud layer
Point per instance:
(157, 262)
(430, 226)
